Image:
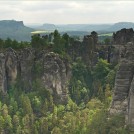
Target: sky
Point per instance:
(67, 12)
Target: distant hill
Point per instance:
(120, 25)
(15, 30)
(101, 28)
(47, 26)
(73, 27)
(83, 27)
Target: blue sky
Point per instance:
(67, 12)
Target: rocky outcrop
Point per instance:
(123, 98)
(26, 65)
(55, 76)
(123, 36)
(122, 102)
(3, 79)
(88, 49)
(130, 108)
(10, 67)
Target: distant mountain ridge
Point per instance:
(48, 26)
(9, 23)
(74, 27)
(120, 25)
(15, 30)
(87, 27)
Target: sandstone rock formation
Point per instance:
(10, 67)
(89, 54)
(27, 64)
(3, 80)
(86, 49)
(123, 36)
(55, 76)
(123, 99)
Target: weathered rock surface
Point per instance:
(27, 64)
(3, 79)
(85, 49)
(123, 36)
(89, 43)
(55, 76)
(11, 65)
(130, 108)
(123, 99)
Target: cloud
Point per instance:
(67, 11)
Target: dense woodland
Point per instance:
(90, 95)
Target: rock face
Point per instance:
(87, 53)
(10, 67)
(123, 98)
(130, 110)
(55, 76)
(123, 36)
(3, 80)
(26, 65)
(86, 49)
(122, 86)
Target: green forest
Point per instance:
(90, 92)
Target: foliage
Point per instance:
(81, 82)
(90, 90)
(33, 114)
(101, 69)
(13, 44)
